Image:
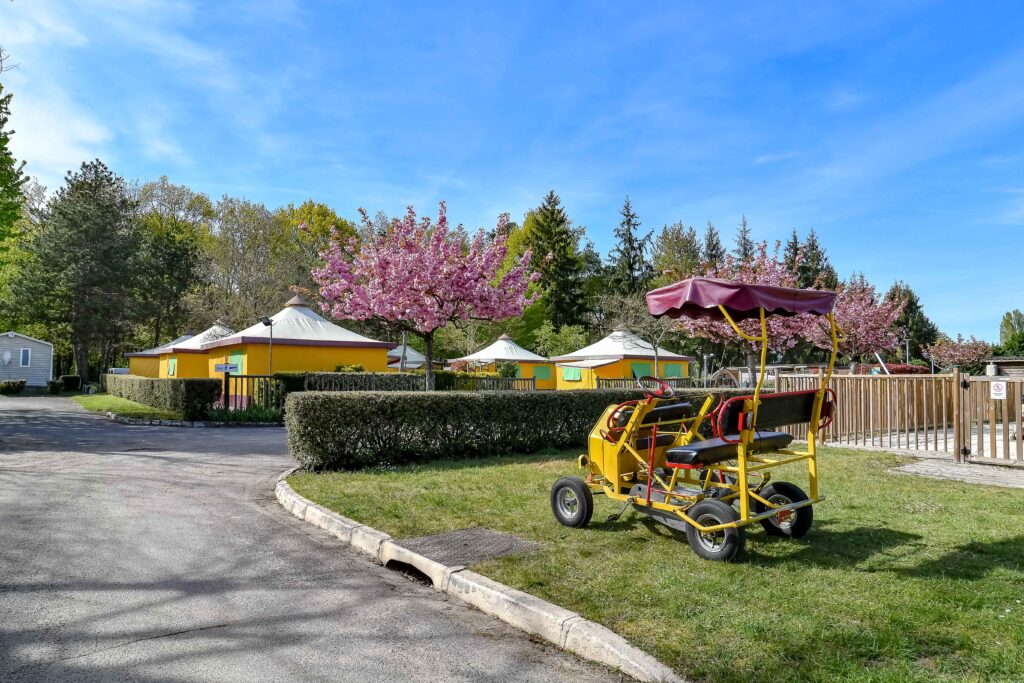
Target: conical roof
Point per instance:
(297, 324)
(195, 344)
(411, 355)
(621, 343)
(504, 349)
(157, 350)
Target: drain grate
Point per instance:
(468, 546)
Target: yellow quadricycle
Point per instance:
(653, 454)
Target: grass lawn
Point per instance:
(104, 403)
(900, 579)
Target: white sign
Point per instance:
(225, 367)
(997, 390)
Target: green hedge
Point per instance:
(348, 430)
(193, 398)
(12, 387)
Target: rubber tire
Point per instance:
(583, 495)
(734, 540)
(804, 517)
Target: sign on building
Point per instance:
(225, 367)
(997, 390)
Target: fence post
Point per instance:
(227, 390)
(957, 417)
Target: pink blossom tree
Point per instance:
(968, 354)
(422, 276)
(867, 320)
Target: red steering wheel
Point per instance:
(614, 430)
(663, 391)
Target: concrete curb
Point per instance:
(557, 625)
(120, 419)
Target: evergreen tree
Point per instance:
(677, 253)
(83, 266)
(815, 269)
(913, 323)
(744, 244)
(556, 251)
(629, 270)
(12, 175)
(712, 252)
(791, 255)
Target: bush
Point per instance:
(508, 369)
(291, 381)
(11, 387)
(71, 382)
(54, 386)
(349, 430)
(363, 381)
(349, 368)
(250, 414)
(193, 398)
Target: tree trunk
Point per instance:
(750, 368)
(156, 330)
(405, 345)
(82, 360)
(428, 342)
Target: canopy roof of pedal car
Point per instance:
(700, 297)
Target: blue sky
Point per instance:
(896, 130)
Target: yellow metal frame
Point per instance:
(617, 465)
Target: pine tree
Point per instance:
(629, 269)
(676, 253)
(815, 269)
(12, 175)
(744, 244)
(556, 251)
(913, 322)
(712, 252)
(791, 255)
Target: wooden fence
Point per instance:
(905, 412)
(990, 429)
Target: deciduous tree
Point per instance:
(967, 354)
(424, 276)
(677, 253)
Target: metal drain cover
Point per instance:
(468, 546)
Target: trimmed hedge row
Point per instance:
(193, 398)
(444, 380)
(349, 430)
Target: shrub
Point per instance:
(193, 398)
(291, 381)
(250, 414)
(11, 387)
(71, 382)
(348, 430)
(508, 369)
(54, 386)
(349, 368)
(363, 381)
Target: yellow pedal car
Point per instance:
(652, 456)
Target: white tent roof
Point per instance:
(297, 324)
(157, 350)
(621, 343)
(195, 343)
(503, 350)
(588, 364)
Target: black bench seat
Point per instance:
(712, 451)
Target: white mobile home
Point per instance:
(27, 358)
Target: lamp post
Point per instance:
(270, 351)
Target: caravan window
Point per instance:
(26, 357)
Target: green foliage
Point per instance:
(552, 343)
(712, 251)
(745, 249)
(11, 387)
(556, 251)
(192, 398)
(1011, 324)
(291, 381)
(350, 430)
(677, 254)
(508, 369)
(251, 414)
(82, 266)
(912, 321)
(356, 367)
(12, 175)
(54, 386)
(71, 382)
(628, 268)
(1013, 346)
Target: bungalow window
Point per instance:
(172, 367)
(26, 357)
(674, 370)
(641, 370)
(541, 372)
(572, 374)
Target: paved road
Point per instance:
(159, 554)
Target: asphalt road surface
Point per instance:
(160, 554)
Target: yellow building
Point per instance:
(188, 359)
(528, 364)
(620, 355)
(296, 340)
(147, 363)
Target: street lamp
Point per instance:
(270, 352)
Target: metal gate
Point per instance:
(989, 428)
